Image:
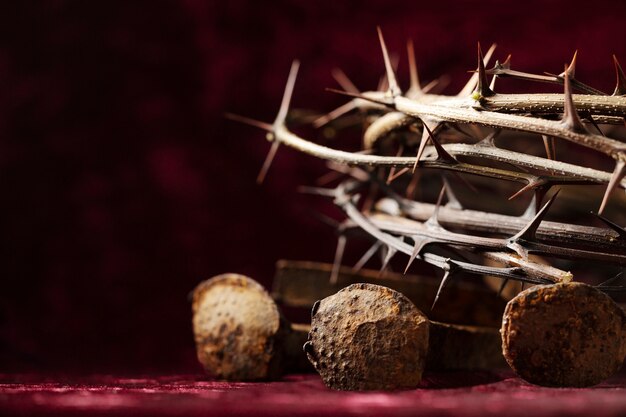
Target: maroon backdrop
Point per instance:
(123, 186)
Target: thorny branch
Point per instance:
(509, 239)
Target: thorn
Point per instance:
(248, 121)
(534, 184)
(548, 143)
(414, 89)
(531, 210)
(420, 151)
(492, 84)
(367, 256)
(503, 285)
(470, 86)
(341, 246)
(507, 62)
(433, 220)
(397, 175)
(453, 201)
(620, 84)
(618, 174)
(391, 76)
(570, 116)
(420, 242)
(411, 189)
(571, 68)
(449, 271)
(616, 227)
(589, 117)
(390, 254)
(611, 280)
(442, 154)
(392, 171)
(335, 114)
(528, 232)
(482, 87)
(437, 85)
(361, 96)
(343, 80)
(284, 105)
(268, 162)
(490, 139)
(324, 192)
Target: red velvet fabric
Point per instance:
(452, 394)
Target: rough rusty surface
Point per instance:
(368, 337)
(236, 324)
(563, 335)
(301, 283)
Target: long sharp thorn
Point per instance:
(571, 68)
(471, 84)
(248, 121)
(528, 232)
(490, 139)
(284, 105)
(341, 246)
(415, 88)
(620, 85)
(540, 186)
(531, 210)
(590, 118)
(388, 256)
(444, 281)
(325, 192)
(618, 173)
(433, 220)
(343, 80)
(420, 151)
(621, 231)
(367, 256)
(531, 185)
(611, 280)
(507, 62)
(397, 175)
(361, 96)
(482, 87)
(394, 89)
(338, 112)
(453, 201)
(548, 143)
(411, 189)
(268, 162)
(570, 116)
(420, 242)
(492, 84)
(442, 154)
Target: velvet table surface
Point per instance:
(442, 394)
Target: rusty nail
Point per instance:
(240, 333)
(563, 335)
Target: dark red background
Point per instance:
(122, 185)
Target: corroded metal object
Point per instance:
(369, 337)
(563, 335)
(240, 333)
